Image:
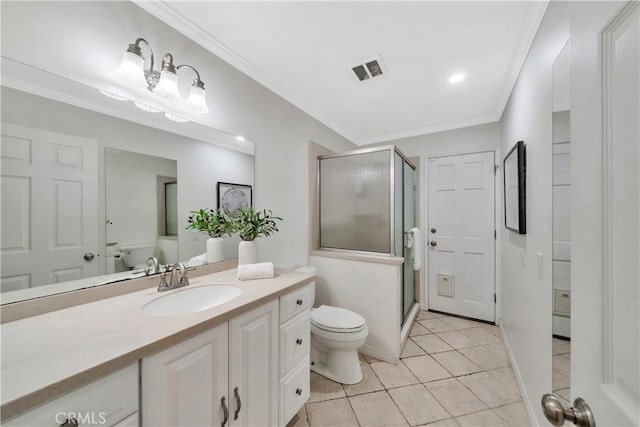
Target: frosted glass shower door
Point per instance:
(355, 202)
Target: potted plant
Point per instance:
(253, 224)
(216, 225)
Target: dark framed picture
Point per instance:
(514, 168)
(232, 197)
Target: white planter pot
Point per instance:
(247, 252)
(215, 250)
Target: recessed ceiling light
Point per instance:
(456, 78)
(240, 138)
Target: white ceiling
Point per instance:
(302, 50)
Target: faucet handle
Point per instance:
(163, 286)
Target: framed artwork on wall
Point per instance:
(514, 168)
(232, 197)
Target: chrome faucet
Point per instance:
(176, 279)
(151, 266)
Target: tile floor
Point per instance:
(561, 374)
(453, 372)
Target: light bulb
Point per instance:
(197, 100)
(456, 78)
(131, 71)
(175, 118)
(167, 87)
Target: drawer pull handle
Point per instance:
(69, 422)
(299, 341)
(299, 302)
(238, 403)
(225, 411)
(298, 391)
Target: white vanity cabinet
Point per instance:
(232, 368)
(109, 401)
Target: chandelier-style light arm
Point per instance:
(197, 82)
(135, 49)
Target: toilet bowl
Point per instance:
(336, 335)
(135, 256)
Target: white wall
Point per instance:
(200, 165)
(526, 296)
(84, 41)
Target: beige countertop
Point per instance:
(48, 355)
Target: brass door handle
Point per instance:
(580, 413)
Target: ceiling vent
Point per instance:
(368, 69)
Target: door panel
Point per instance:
(461, 210)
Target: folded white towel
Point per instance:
(197, 260)
(263, 270)
(417, 245)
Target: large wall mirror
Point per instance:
(87, 197)
(561, 233)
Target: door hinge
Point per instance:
(495, 298)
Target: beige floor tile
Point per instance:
(565, 393)
(428, 315)
(481, 336)
(371, 359)
(436, 325)
(456, 363)
(560, 346)
(376, 409)
(418, 405)
(425, 368)
(514, 414)
(393, 375)
(456, 339)
(485, 358)
(486, 418)
(499, 349)
(506, 377)
(559, 380)
(411, 349)
(562, 363)
(324, 389)
(369, 383)
(331, 413)
(492, 329)
(418, 329)
(458, 323)
(449, 422)
(492, 392)
(455, 397)
(362, 359)
(432, 343)
(299, 419)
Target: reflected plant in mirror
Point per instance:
(215, 224)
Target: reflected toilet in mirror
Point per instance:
(561, 232)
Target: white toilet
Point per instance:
(336, 335)
(135, 256)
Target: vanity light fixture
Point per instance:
(163, 84)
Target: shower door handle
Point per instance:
(433, 243)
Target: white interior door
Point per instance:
(605, 324)
(461, 235)
(49, 207)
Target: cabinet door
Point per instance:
(253, 367)
(183, 385)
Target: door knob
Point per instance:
(433, 243)
(89, 256)
(580, 414)
(433, 230)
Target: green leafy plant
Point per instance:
(212, 222)
(253, 224)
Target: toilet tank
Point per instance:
(133, 255)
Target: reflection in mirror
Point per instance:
(87, 198)
(561, 271)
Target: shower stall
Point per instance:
(367, 206)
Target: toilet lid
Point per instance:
(326, 316)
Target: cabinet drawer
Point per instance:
(294, 391)
(297, 301)
(104, 402)
(294, 341)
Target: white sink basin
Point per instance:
(190, 300)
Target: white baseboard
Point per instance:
(523, 391)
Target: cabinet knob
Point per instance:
(299, 341)
(298, 391)
(69, 422)
(299, 302)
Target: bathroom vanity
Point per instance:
(95, 362)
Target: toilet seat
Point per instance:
(335, 319)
